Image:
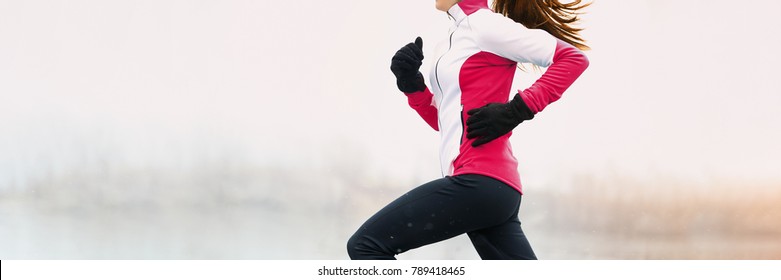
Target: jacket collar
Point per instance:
(464, 8)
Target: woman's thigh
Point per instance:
(502, 242)
(435, 211)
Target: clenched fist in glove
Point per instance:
(405, 66)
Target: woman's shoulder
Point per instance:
(488, 23)
(501, 35)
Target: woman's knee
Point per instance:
(352, 247)
(362, 247)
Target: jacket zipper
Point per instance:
(436, 70)
(436, 66)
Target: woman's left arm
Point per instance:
(568, 63)
(504, 37)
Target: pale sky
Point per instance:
(674, 89)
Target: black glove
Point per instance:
(405, 65)
(496, 119)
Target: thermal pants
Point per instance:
(484, 208)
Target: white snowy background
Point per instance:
(164, 129)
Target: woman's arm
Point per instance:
(504, 37)
(568, 64)
(405, 65)
(423, 103)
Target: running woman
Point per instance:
(468, 103)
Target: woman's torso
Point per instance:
(464, 77)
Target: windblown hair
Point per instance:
(550, 15)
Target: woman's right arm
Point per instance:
(423, 103)
(405, 65)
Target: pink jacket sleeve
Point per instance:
(512, 40)
(423, 103)
(568, 64)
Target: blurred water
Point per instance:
(243, 232)
(297, 225)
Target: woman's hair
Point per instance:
(549, 15)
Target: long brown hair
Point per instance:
(549, 15)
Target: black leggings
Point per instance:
(482, 207)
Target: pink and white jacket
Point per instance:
(475, 67)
